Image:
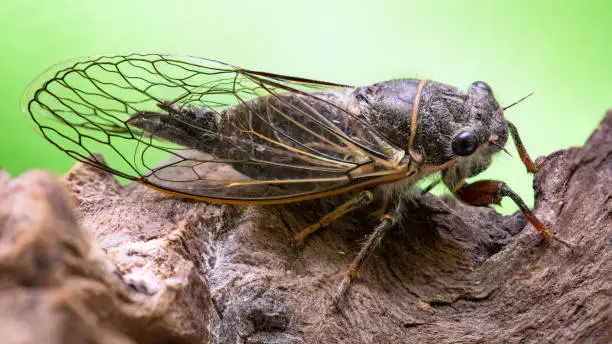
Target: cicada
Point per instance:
(210, 131)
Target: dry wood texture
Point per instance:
(126, 264)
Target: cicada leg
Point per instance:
(430, 186)
(361, 200)
(373, 241)
(486, 192)
(529, 164)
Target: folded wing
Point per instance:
(205, 129)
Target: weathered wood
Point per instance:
(137, 266)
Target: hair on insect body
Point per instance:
(167, 121)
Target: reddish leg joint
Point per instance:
(486, 192)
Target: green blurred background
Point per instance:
(559, 50)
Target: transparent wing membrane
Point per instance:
(204, 129)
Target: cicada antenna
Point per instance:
(518, 101)
(500, 147)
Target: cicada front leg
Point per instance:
(486, 192)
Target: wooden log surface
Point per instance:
(84, 259)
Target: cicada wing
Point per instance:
(204, 129)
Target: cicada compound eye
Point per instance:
(482, 85)
(465, 143)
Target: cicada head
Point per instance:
(479, 132)
(449, 124)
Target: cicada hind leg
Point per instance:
(374, 239)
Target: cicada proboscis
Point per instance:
(167, 121)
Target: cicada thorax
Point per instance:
(425, 117)
(440, 109)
